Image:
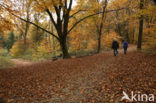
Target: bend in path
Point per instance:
(19, 63)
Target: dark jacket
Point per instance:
(125, 44)
(115, 45)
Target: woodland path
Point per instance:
(20, 63)
(100, 78)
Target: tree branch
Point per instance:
(51, 17)
(65, 3)
(56, 9)
(38, 26)
(70, 6)
(30, 22)
(90, 16)
(77, 13)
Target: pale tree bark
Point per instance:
(24, 26)
(25, 34)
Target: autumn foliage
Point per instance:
(43, 33)
(17, 49)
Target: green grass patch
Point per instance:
(5, 62)
(4, 53)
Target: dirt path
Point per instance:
(19, 63)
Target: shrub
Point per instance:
(5, 63)
(18, 49)
(10, 42)
(41, 51)
(3, 52)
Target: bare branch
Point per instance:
(77, 13)
(91, 16)
(70, 6)
(65, 3)
(51, 17)
(57, 10)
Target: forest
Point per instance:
(60, 51)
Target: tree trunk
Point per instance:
(133, 37)
(25, 35)
(99, 43)
(63, 44)
(101, 27)
(127, 36)
(25, 42)
(140, 27)
(140, 34)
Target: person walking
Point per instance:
(125, 46)
(115, 46)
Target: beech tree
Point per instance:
(100, 27)
(25, 11)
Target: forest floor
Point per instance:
(100, 78)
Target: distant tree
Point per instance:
(100, 27)
(24, 27)
(17, 49)
(36, 33)
(10, 41)
(140, 26)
